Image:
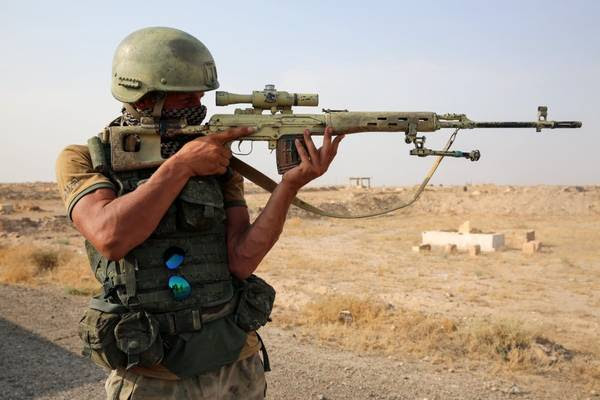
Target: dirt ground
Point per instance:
(423, 325)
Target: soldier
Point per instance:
(173, 246)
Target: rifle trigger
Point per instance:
(239, 145)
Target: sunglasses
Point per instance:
(180, 287)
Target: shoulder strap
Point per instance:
(103, 305)
(260, 179)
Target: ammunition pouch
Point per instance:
(255, 304)
(137, 336)
(115, 337)
(96, 330)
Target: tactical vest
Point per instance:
(138, 320)
(194, 223)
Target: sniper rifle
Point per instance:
(139, 147)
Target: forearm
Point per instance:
(121, 223)
(249, 246)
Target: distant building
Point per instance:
(360, 181)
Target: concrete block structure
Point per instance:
(463, 241)
(450, 249)
(421, 248)
(532, 247)
(465, 227)
(516, 238)
(474, 250)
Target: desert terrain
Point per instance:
(359, 314)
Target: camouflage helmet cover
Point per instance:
(161, 59)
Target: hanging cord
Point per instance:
(269, 185)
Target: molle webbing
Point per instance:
(195, 225)
(190, 320)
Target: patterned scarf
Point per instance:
(194, 115)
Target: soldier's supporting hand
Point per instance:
(314, 162)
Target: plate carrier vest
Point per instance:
(194, 223)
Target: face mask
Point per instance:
(187, 107)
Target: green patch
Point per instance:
(80, 292)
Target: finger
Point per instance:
(301, 152)
(232, 134)
(310, 145)
(336, 142)
(327, 138)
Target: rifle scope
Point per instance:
(268, 99)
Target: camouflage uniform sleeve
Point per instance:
(233, 191)
(76, 177)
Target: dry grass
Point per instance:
(379, 327)
(35, 265)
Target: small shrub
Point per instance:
(45, 259)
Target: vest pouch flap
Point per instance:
(256, 303)
(200, 204)
(137, 335)
(202, 191)
(96, 330)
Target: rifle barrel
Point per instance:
(545, 124)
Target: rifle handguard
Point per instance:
(286, 154)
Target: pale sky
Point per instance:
(490, 60)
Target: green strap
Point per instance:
(99, 304)
(189, 320)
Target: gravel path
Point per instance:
(39, 359)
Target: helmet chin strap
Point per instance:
(131, 110)
(158, 106)
(156, 109)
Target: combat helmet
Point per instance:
(161, 59)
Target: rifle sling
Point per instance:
(260, 179)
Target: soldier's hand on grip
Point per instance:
(209, 155)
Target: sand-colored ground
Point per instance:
(533, 317)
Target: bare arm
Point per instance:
(248, 244)
(115, 225)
